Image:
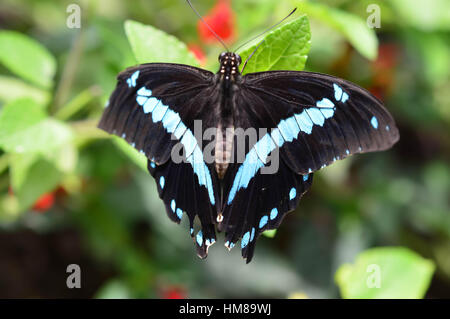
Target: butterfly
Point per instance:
(237, 152)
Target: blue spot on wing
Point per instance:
(199, 238)
(289, 129)
(292, 193)
(273, 213)
(263, 221)
(327, 113)
(337, 92)
(144, 91)
(179, 213)
(304, 121)
(277, 137)
(252, 234)
(325, 103)
(316, 116)
(264, 146)
(170, 121)
(131, 81)
(245, 239)
(374, 122)
(158, 112)
(344, 97)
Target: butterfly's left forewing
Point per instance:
(154, 107)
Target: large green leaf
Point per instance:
(27, 58)
(31, 177)
(153, 45)
(13, 88)
(426, 15)
(352, 27)
(24, 127)
(284, 48)
(388, 272)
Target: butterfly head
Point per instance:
(229, 64)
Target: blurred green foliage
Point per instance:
(108, 218)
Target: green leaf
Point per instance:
(388, 272)
(284, 48)
(138, 158)
(270, 233)
(31, 177)
(426, 15)
(24, 127)
(12, 88)
(27, 58)
(352, 27)
(153, 45)
(113, 289)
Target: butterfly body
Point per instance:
(261, 137)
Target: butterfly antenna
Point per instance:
(207, 25)
(267, 30)
(250, 56)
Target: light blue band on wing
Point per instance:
(172, 123)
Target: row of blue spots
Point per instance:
(292, 193)
(177, 211)
(374, 122)
(172, 123)
(263, 221)
(132, 79)
(339, 94)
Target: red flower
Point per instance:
(384, 70)
(174, 292)
(198, 53)
(221, 20)
(44, 203)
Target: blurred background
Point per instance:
(69, 194)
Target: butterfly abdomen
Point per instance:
(223, 149)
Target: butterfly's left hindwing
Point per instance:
(153, 108)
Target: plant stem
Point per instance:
(68, 73)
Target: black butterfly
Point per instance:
(312, 120)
